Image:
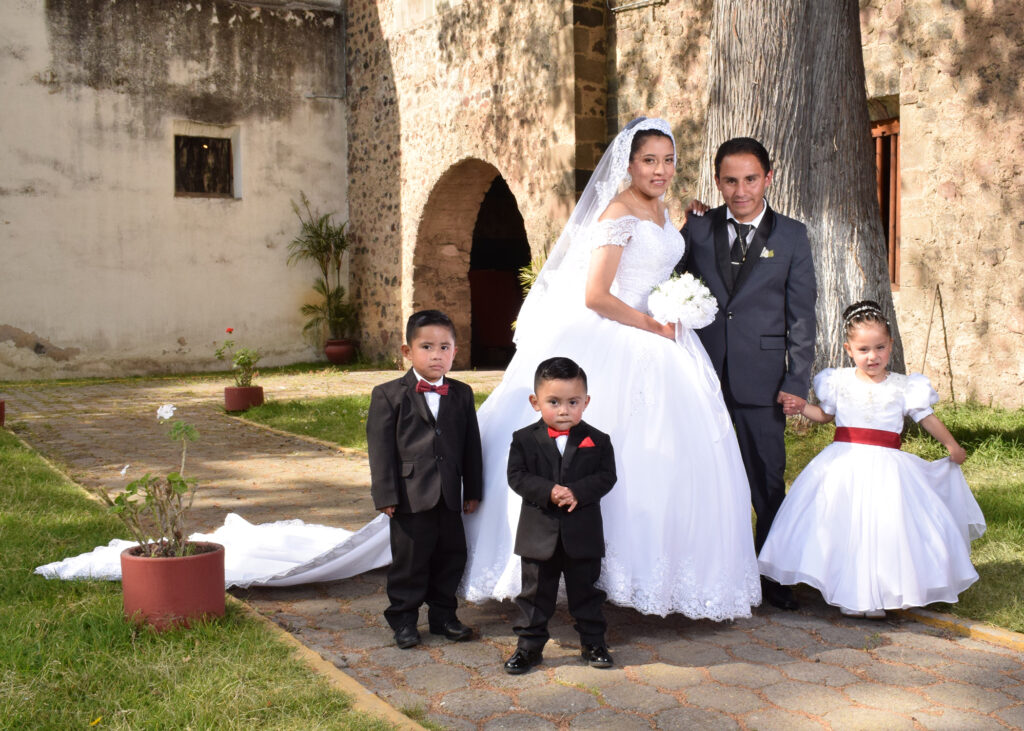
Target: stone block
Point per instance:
(475, 704)
(885, 697)
(794, 696)
(669, 677)
(960, 695)
(557, 700)
(866, 718)
(723, 698)
(607, 719)
(746, 675)
(694, 718)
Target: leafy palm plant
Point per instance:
(323, 242)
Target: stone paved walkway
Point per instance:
(810, 669)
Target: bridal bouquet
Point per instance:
(683, 299)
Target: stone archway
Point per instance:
(462, 263)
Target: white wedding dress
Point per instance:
(678, 521)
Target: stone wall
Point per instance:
(105, 269)
(956, 70)
(436, 111)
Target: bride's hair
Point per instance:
(642, 136)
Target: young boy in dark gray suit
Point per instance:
(426, 469)
(562, 467)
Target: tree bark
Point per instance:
(791, 74)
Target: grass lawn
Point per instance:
(993, 438)
(68, 659)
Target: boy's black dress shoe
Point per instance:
(453, 629)
(407, 636)
(522, 660)
(597, 656)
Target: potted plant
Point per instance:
(331, 320)
(243, 394)
(166, 580)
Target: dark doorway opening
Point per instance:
(500, 249)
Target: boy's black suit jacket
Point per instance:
(416, 460)
(534, 467)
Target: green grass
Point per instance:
(68, 657)
(994, 440)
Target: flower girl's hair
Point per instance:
(863, 312)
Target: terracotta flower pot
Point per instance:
(341, 351)
(241, 398)
(166, 592)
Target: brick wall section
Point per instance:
(590, 56)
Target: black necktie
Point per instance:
(739, 246)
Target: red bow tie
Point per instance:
(557, 432)
(424, 387)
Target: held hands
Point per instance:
(470, 506)
(389, 510)
(791, 405)
(562, 496)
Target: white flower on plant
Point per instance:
(124, 470)
(165, 412)
(683, 299)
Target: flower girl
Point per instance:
(871, 527)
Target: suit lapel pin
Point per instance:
(767, 253)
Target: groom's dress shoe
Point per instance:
(453, 629)
(597, 656)
(407, 636)
(780, 597)
(522, 660)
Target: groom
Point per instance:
(757, 263)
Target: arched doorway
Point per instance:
(470, 244)
(500, 249)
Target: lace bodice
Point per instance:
(868, 405)
(649, 255)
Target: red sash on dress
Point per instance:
(874, 437)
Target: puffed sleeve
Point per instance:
(615, 231)
(825, 389)
(918, 396)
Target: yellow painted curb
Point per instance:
(362, 699)
(968, 628)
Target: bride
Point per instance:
(677, 523)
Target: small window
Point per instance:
(203, 166)
(886, 136)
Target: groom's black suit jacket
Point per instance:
(535, 467)
(765, 327)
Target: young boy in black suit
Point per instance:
(562, 467)
(425, 469)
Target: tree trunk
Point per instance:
(791, 74)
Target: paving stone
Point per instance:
(725, 637)
(290, 622)
(590, 677)
(842, 636)
(693, 654)
(969, 643)
(885, 697)
(786, 638)
(374, 603)
(745, 674)
(956, 720)
(1017, 691)
(475, 704)
(888, 674)
(366, 638)
(313, 607)
(819, 673)
(1013, 716)
(352, 588)
(393, 657)
(843, 658)
(911, 656)
(773, 719)
(471, 654)
(519, 722)
(635, 697)
(450, 723)
(340, 621)
(985, 659)
(975, 675)
(631, 655)
(853, 718)
(337, 659)
(406, 700)
(795, 696)
(694, 718)
(557, 700)
(669, 677)
(958, 695)
(752, 652)
(747, 623)
(797, 620)
(436, 678)
(716, 697)
(610, 720)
